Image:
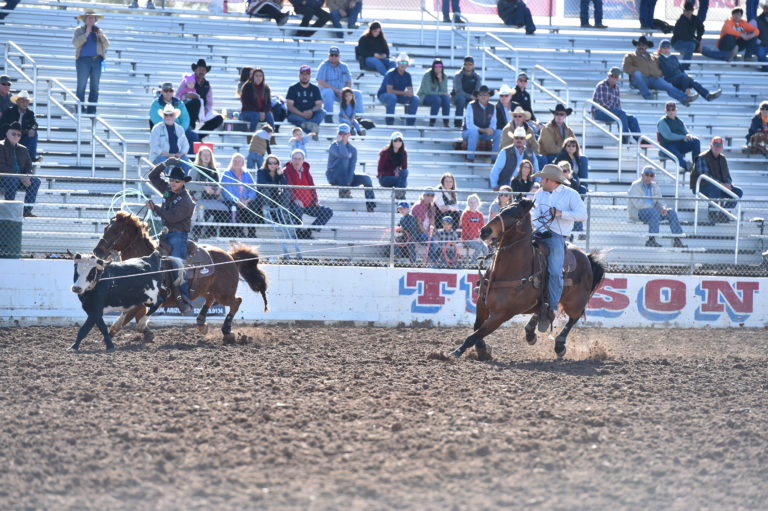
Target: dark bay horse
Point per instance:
(510, 285)
(127, 235)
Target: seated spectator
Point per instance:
(523, 98)
(373, 49)
(757, 135)
(645, 205)
(504, 108)
(342, 160)
(304, 200)
(426, 213)
(256, 101)
(443, 252)
(5, 96)
(393, 165)
(397, 87)
(571, 153)
(274, 203)
(515, 13)
(15, 159)
(572, 180)
(521, 119)
(259, 147)
(245, 77)
(309, 9)
(21, 113)
(644, 72)
(607, 95)
(712, 163)
(347, 111)
(446, 199)
(480, 124)
(503, 200)
(555, 132)
(207, 173)
(197, 94)
(674, 136)
(523, 181)
(166, 97)
(349, 9)
(297, 142)
(674, 73)
(305, 103)
(167, 139)
(433, 92)
(267, 9)
(738, 35)
(465, 83)
(333, 77)
(407, 231)
(510, 158)
(687, 34)
(471, 222)
(239, 194)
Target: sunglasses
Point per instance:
(671, 108)
(167, 90)
(14, 134)
(402, 62)
(717, 144)
(761, 108)
(518, 116)
(438, 65)
(272, 163)
(7, 84)
(523, 80)
(177, 180)
(559, 115)
(649, 174)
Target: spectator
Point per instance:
(738, 35)
(465, 82)
(433, 92)
(207, 173)
(407, 230)
(426, 214)
(333, 77)
(674, 136)
(14, 159)
(644, 72)
(274, 202)
(471, 222)
(349, 9)
(521, 119)
(758, 129)
(20, 112)
(166, 97)
(573, 182)
(555, 132)
(645, 12)
(504, 108)
(584, 14)
(256, 101)
(502, 200)
(446, 199)
(523, 98)
(516, 13)
(239, 194)
(245, 77)
(443, 252)
(196, 93)
(91, 45)
(510, 158)
(259, 147)
(712, 163)
(447, 6)
(167, 139)
(304, 200)
(523, 182)
(397, 87)
(297, 142)
(347, 111)
(342, 160)
(305, 103)
(372, 47)
(5, 95)
(393, 165)
(309, 9)
(571, 153)
(607, 95)
(674, 73)
(687, 34)
(480, 124)
(645, 205)
(267, 9)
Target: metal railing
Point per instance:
(19, 68)
(489, 51)
(63, 107)
(454, 31)
(586, 116)
(711, 202)
(122, 158)
(545, 90)
(640, 156)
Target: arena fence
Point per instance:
(352, 229)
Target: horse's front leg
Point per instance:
(201, 317)
(493, 322)
(563, 335)
(226, 328)
(530, 330)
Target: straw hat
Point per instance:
(519, 110)
(505, 90)
(89, 12)
(168, 109)
(21, 95)
(552, 172)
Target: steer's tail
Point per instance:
(247, 259)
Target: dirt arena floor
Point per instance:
(377, 419)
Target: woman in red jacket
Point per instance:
(393, 165)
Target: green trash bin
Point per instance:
(11, 215)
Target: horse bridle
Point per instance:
(110, 248)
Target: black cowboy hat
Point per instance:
(644, 40)
(561, 108)
(486, 90)
(201, 62)
(178, 173)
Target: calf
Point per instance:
(104, 287)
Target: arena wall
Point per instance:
(38, 292)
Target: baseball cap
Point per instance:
(615, 70)
(522, 74)
(469, 59)
(395, 135)
(448, 219)
(305, 69)
(665, 42)
(648, 171)
(343, 128)
(334, 50)
(403, 205)
(5, 79)
(166, 85)
(688, 6)
(429, 191)
(717, 139)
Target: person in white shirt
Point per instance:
(557, 208)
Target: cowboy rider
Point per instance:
(176, 214)
(557, 207)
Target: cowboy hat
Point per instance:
(561, 108)
(552, 172)
(89, 12)
(519, 132)
(484, 90)
(178, 173)
(168, 109)
(505, 90)
(201, 62)
(644, 40)
(519, 110)
(21, 95)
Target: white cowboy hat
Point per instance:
(89, 12)
(505, 90)
(21, 95)
(168, 109)
(552, 172)
(519, 132)
(519, 110)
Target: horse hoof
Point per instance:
(457, 353)
(203, 329)
(530, 339)
(74, 348)
(110, 348)
(149, 336)
(229, 338)
(560, 348)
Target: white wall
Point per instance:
(38, 292)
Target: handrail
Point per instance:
(75, 117)
(95, 138)
(699, 195)
(33, 79)
(553, 75)
(506, 45)
(588, 117)
(655, 165)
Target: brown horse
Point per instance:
(127, 235)
(517, 277)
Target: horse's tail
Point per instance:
(597, 261)
(247, 259)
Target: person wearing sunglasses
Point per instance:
(165, 97)
(15, 159)
(21, 112)
(5, 95)
(644, 204)
(167, 139)
(674, 136)
(397, 87)
(523, 98)
(713, 163)
(555, 132)
(757, 136)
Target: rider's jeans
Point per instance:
(556, 245)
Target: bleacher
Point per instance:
(149, 47)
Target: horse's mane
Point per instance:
(136, 222)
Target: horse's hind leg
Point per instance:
(563, 335)
(202, 327)
(530, 330)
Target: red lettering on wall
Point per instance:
(656, 299)
(716, 288)
(430, 294)
(610, 295)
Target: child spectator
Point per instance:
(407, 232)
(443, 253)
(471, 223)
(297, 141)
(259, 147)
(347, 111)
